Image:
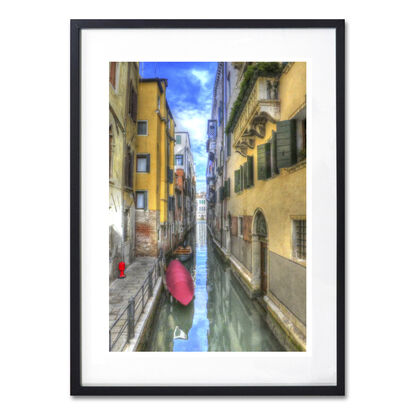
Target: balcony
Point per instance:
(261, 106)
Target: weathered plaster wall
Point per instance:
(287, 282)
(242, 250)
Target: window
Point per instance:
(240, 228)
(179, 160)
(141, 199)
(178, 139)
(299, 239)
(143, 163)
(142, 127)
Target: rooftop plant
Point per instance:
(253, 71)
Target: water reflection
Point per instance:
(221, 317)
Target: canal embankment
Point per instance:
(132, 301)
(274, 314)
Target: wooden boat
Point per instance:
(183, 254)
(179, 282)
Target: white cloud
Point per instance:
(202, 76)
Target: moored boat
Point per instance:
(179, 282)
(183, 253)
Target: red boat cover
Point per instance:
(179, 282)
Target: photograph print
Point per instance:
(207, 206)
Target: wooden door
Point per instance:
(264, 251)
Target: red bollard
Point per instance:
(121, 267)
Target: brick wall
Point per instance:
(146, 232)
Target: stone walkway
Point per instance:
(122, 289)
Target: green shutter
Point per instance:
(237, 181)
(274, 168)
(228, 144)
(286, 143)
(245, 169)
(261, 161)
(268, 159)
(250, 171)
(241, 169)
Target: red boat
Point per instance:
(179, 282)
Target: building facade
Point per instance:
(185, 185)
(256, 181)
(154, 175)
(123, 88)
(201, 206)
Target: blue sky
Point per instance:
(189, 94)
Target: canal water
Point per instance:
(220, 318)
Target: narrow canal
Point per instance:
(220, 318)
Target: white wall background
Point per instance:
(35, 205)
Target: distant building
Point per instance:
(201, 206)
(185, 185)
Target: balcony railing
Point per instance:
(261, 106)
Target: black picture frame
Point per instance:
(76, 387)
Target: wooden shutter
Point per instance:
(241, 175)
(261, 162)
(250, 170)
(264, 161)
(245, 170)
(286, 143)
(274, 167)
(237, 181)
(268, 159)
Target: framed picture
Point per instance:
(207, 231)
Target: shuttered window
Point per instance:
(228, 188)
(169, 175)
(132, 104)
(274, 167)
(245, 170)
(286, 151)
(264, 161)
(128, 167)
(237, 186)
(228, 144)
(250, 169)
(241, 172)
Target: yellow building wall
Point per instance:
(155, 144)
(282, 196)
(148, 144)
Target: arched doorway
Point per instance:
(260, 252)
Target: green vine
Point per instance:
(253, 71)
